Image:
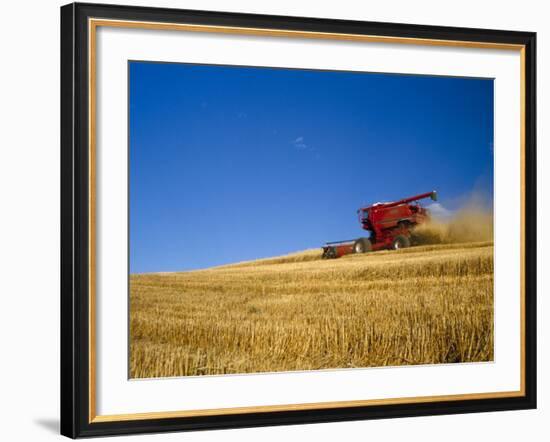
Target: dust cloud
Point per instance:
(471, 223)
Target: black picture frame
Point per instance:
(75, 220)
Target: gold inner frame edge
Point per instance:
(93, 23)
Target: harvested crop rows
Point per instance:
(422, 305)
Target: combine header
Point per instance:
(390, 226)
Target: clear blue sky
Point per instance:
(237, 163)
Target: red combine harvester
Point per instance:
(390, 226)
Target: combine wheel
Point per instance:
(400, 242)
(362, 245)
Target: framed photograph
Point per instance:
(274, 220)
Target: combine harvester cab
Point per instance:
(389, 224)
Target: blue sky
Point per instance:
(237, 163)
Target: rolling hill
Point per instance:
(421, 305)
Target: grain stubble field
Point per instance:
(423, 305)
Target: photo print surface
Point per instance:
(291, 219)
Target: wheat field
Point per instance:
(422, 305)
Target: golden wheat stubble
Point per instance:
(423, 305)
